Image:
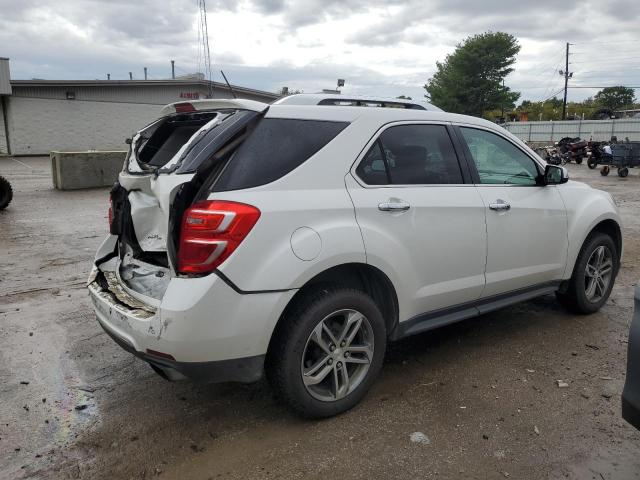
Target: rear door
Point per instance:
(526, 221)
(422, 222)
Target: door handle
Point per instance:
(499, 204)
(395, 206)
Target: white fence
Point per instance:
(587, 129)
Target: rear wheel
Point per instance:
(592, 163)
(578, 160)
(6, 193)
(327, 352)
(593, 275)
(623, 172)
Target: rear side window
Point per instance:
(275, 148)
(412, 155)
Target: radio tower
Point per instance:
(203, 40)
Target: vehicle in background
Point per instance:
(6, 193)
(631, 392)
(298, 240)
(573, 149)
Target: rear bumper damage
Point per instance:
(243, 370)
(202, 328)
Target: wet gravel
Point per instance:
(527, 392)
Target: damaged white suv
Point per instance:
(299, 239)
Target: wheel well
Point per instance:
(611, 228)
(359, 276)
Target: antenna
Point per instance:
(228, 84)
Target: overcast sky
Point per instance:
(379, 47)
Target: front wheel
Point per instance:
(327, 351)
(623, 172)
(578, 160)
(592, 163)
(593, 275)
(604, 171)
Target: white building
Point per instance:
(38, 116)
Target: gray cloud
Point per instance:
(88, 38)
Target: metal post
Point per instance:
(173, 69)
(613, 126)
(108, 76)
(530, 126)
(580, 128)
(552, 130)
(130, 75)
(145, 73)
(566, 81)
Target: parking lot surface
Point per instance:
(480, 399)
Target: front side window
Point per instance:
(497, 160)
(411, 155)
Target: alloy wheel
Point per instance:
(598, 274)
(337, 355)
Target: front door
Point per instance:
(421, 223)
(526, 222)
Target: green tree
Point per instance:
(615, 98)
(470, 80)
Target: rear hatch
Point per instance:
(168, 163)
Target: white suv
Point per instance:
(299, 240)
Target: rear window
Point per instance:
(160, 141)
(275, 148)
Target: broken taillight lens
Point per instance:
(211, 230)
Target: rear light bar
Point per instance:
(211, 230)
(184, 108)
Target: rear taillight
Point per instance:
(211, 230)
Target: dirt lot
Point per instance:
(483, 393)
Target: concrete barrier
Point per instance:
(74, 170)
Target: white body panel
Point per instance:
(527, 244)
(434, 252)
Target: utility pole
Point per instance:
(567, 76)
(145, 73)
(130, 75)
(173, 69)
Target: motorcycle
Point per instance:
(573, 149)
(6, 193)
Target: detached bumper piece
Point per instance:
(631, 392)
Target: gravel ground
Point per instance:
(479, 399)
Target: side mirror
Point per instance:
(128, 141)
(555, 175)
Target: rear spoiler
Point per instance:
(214, 104)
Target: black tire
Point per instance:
(623, 172)
(592, 163)
(285, 356)
(604, 171)
(575, 297)
(578, 160)
(6, 193)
